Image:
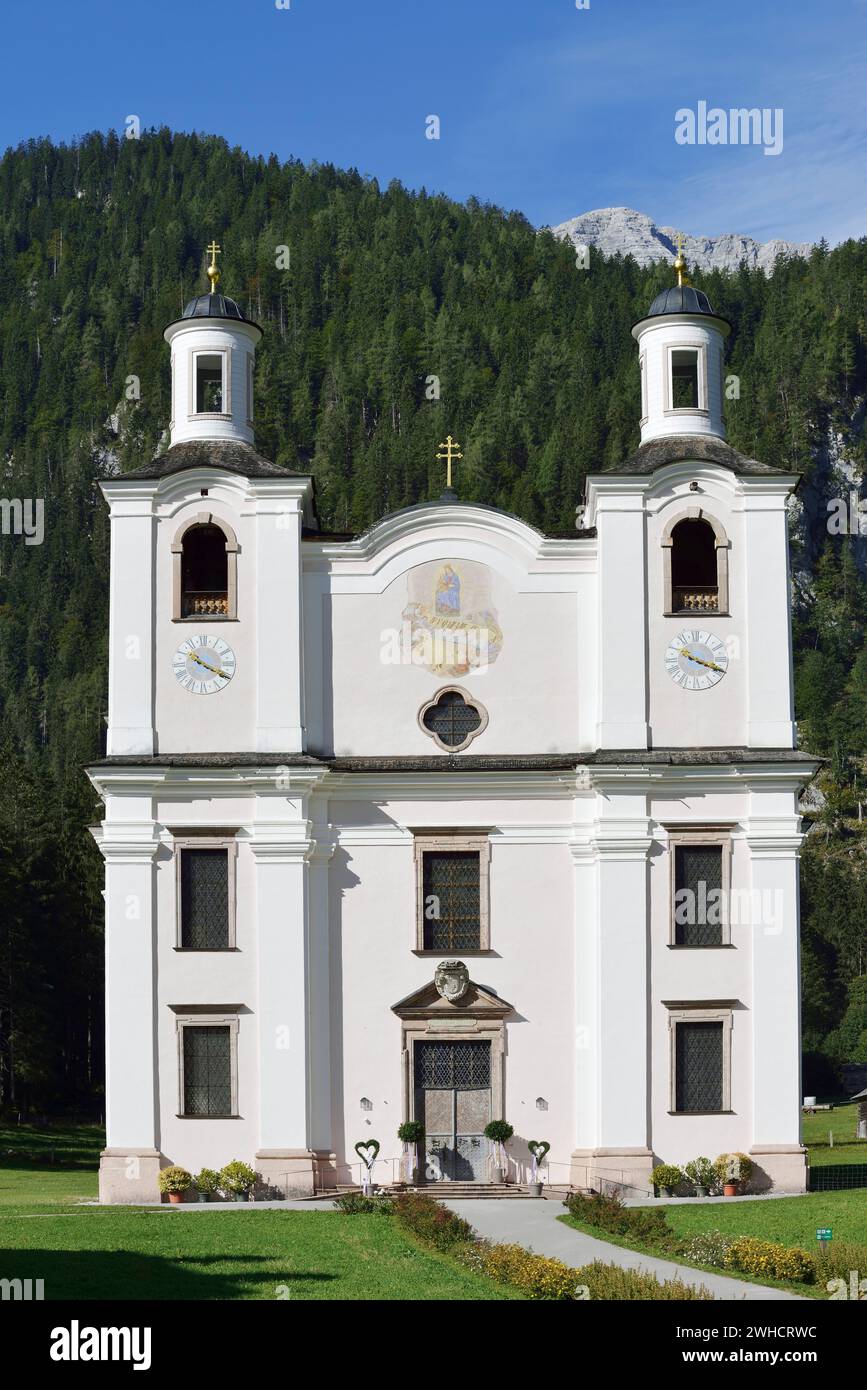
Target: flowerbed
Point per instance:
(537, 1276)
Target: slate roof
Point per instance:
(458, 762)
(703, 448)
(229, 454)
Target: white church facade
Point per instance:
(450, 821)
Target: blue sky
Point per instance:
(543, 107)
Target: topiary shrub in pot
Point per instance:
(411, 1134)
(702, 1174)
(499, 1132)
(206, 1183)
(665, 1177)
(734, 1172)
(538, 1149)
(237, 1180)
(174, 1182)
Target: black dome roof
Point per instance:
(680, 299)
(213, 306)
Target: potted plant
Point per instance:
(411, 1134)
(702, 1174)
(499, 1132)
(175, 1182)
(538, 1149)
(237, 1180)
(665, 1177)
(206, 1183)
(367, 1150)
(734, 1172)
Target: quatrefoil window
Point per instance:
(453, 719)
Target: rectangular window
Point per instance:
(205, 888)
(452, 890)
(210, 387)
(452, 898)
(207, 1071)
(684, 379)
(204, 899)
(699, 907)
(699, 1081)
(700, 873)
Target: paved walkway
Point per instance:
(534, 1224)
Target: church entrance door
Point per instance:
(453, 1101)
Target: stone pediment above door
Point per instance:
(469, 1000)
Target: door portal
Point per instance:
(453, 1101)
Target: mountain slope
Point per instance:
(631, 233)
(402, 318)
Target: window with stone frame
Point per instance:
(699, 1068)
(684, 379)
(699, 868)
(205, 891)
(452, 892)
(207, 1070)
(210, 383)
(698, 895)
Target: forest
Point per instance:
(391, 318)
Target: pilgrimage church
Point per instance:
(450, 821)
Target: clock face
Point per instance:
(204, 665)
(696, 660)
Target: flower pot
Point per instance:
(730, 1189)
(203, 1197)
(700, 1191)
(535, 1189)
(176, 1198)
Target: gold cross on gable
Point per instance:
(451, 447)
(213, 273)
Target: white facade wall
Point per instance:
(657, 339)
(237, 342)
(580, 909)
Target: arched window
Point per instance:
(205, 574)
(695, 550)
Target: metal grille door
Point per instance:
(453, 1101)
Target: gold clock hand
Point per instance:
(208, 667)
(711, 665)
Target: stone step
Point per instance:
(457, 1191)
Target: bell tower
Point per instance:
(681, 345)
(213, 347)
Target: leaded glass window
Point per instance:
(207, 1070)
(452, 900)
(698, 896)
(699, 1067)
(446, 1066)
(205, 899)
(452, 720)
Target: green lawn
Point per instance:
(117, 1253)
(51, 1164)
(841, 1121)
(789, 1220)
(85, 1252)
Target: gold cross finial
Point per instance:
(680, 263)
(451, 447)
(213, 273)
